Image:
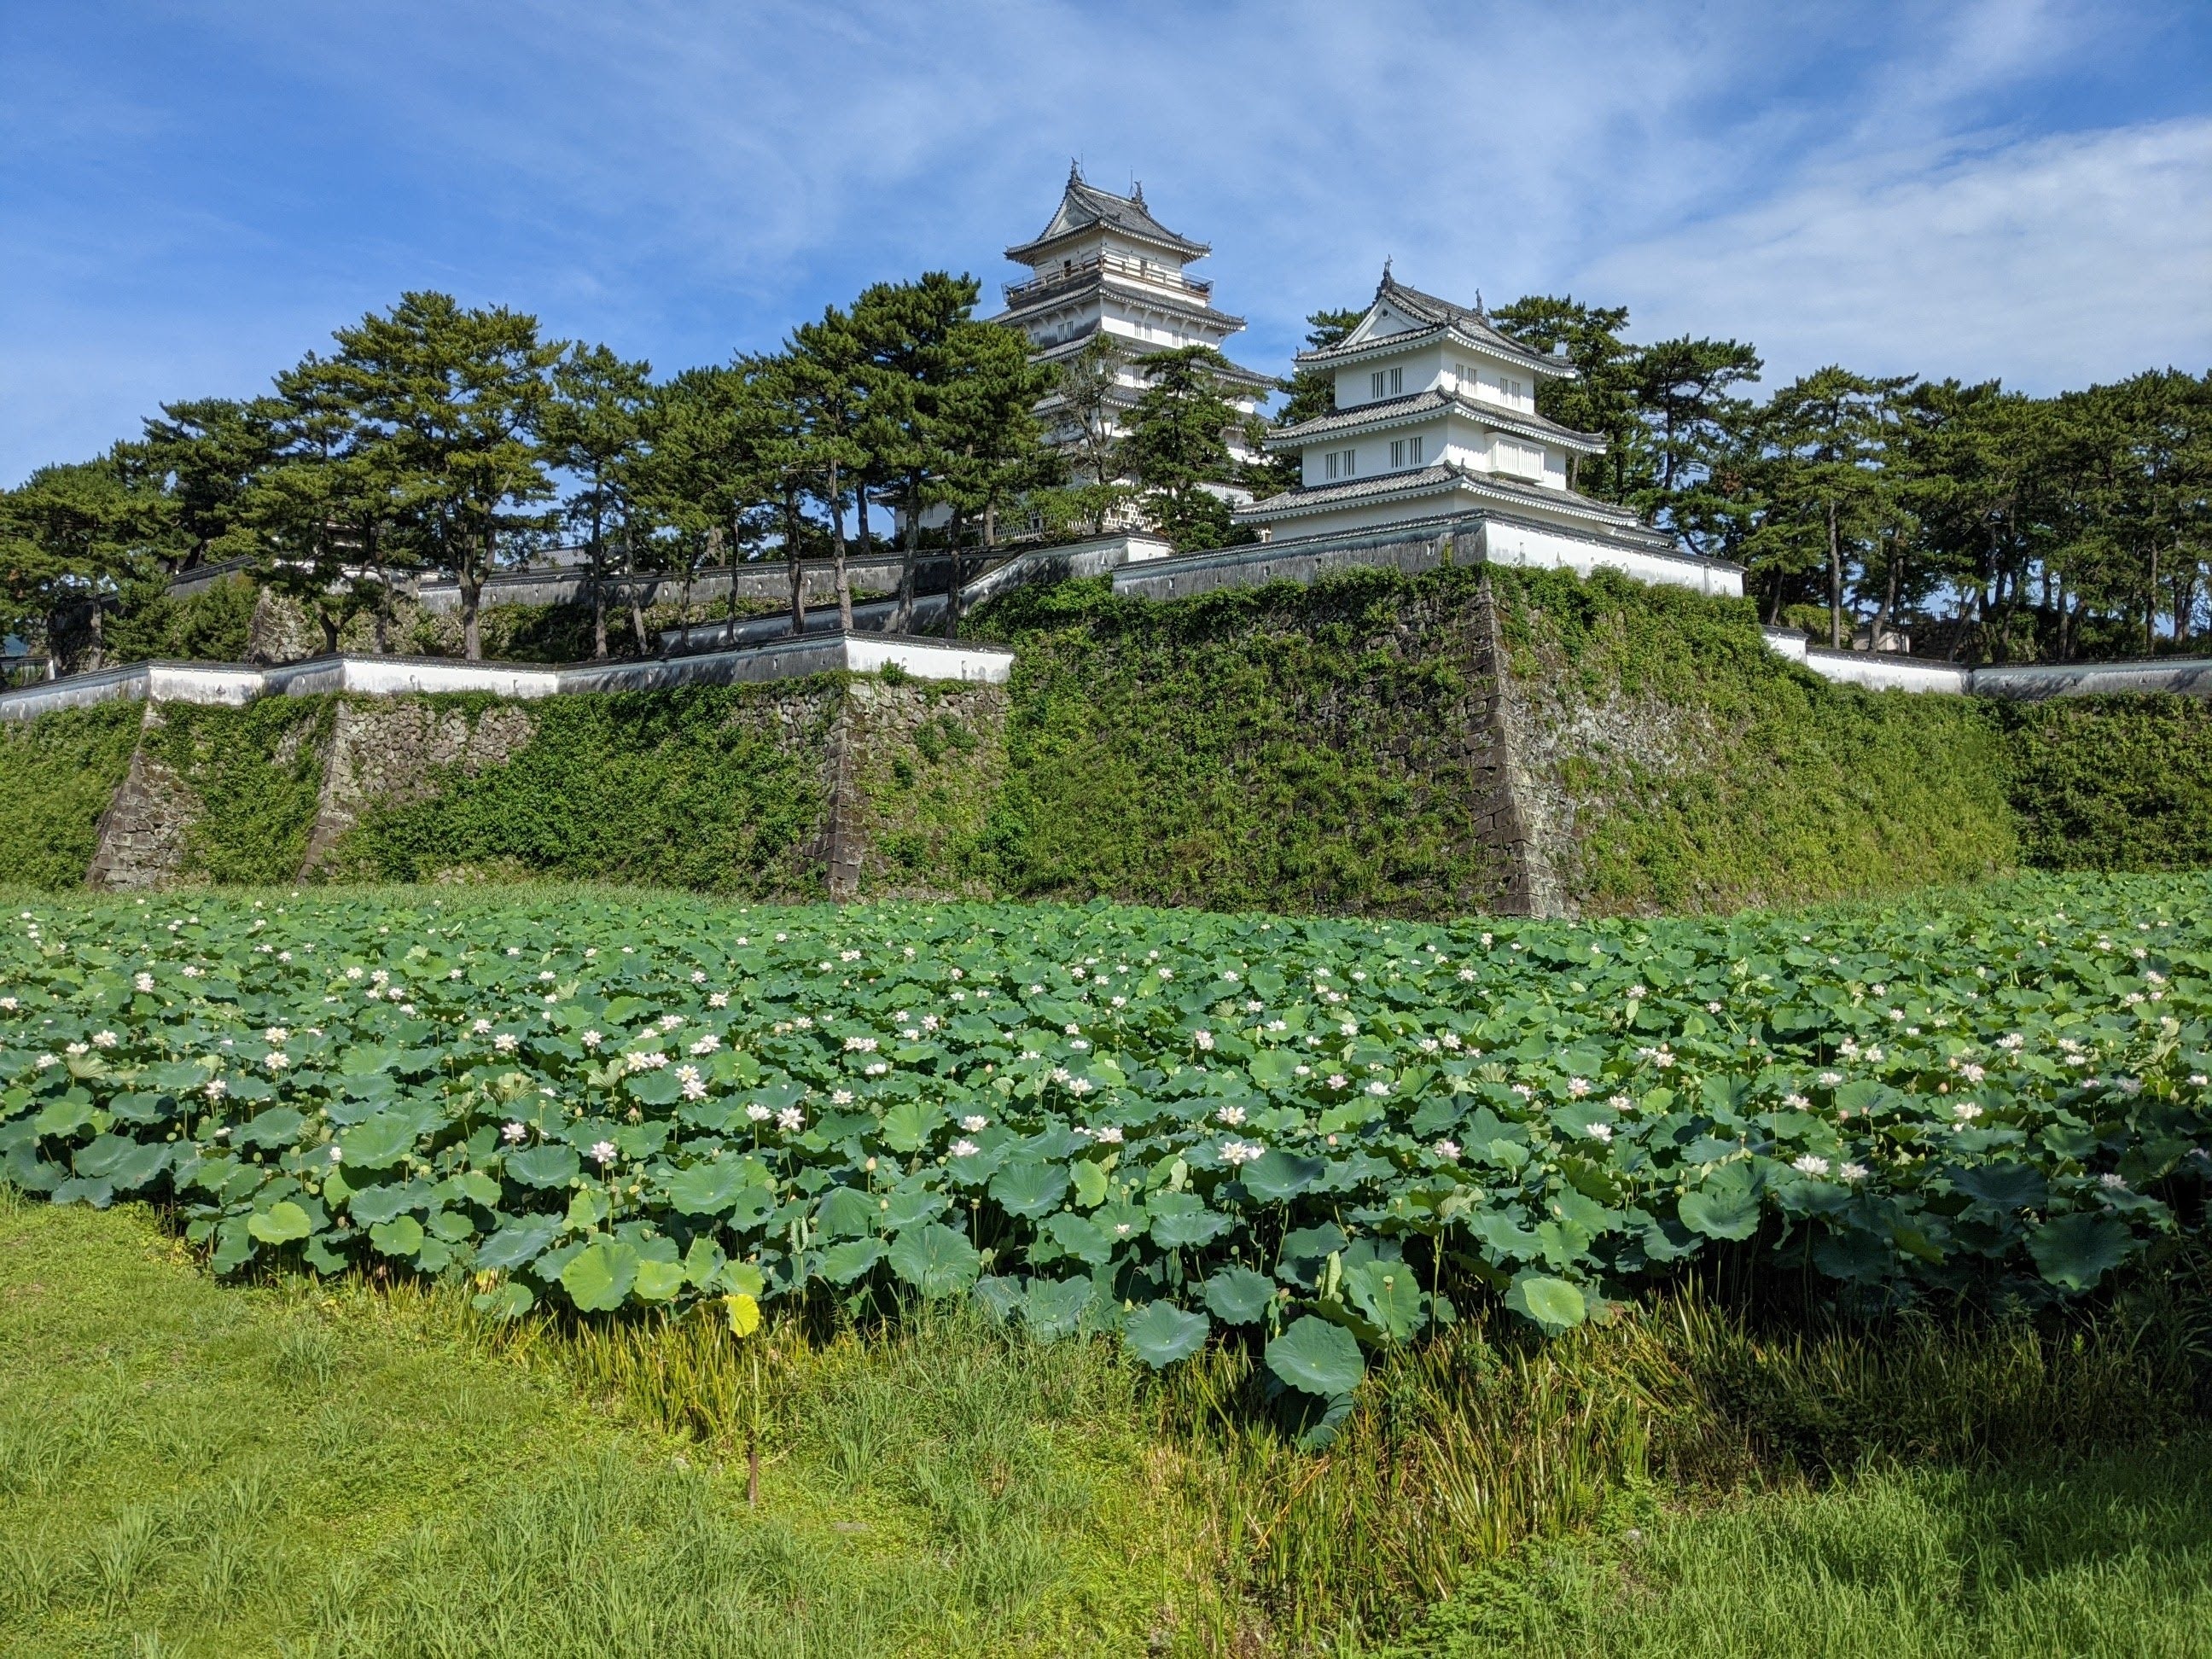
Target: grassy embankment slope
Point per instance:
(1297, 749)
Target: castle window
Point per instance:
(1386, 383)
(1406, 452)
(1338, 463)
(1514, 456)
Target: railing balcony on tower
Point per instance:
(1119, 264)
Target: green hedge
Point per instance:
(2121, 783)
(57, 773)
(1777, 786)
(717, 787)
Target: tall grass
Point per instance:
(1456, 1451)
(1459, 1450)
(373, 1468)
(2106, 1557)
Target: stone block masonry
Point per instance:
(142, 834)
(389, 751)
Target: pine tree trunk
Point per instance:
(952, 577)
(1835, 584)
(902, 612)
(598, 580)
(2150, 605)
(791, 558)
(629, 592)
(837, 552)
(471, 636)
(1889, 602)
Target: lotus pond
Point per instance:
(1319, 1136)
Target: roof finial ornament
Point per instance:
(1385, 283)
(1137, 191)
(1479, 311)
(1074, 170)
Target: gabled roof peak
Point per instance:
(1427, 306)
(1084, 207)
(1429, 315)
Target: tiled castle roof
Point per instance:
(1083, 205)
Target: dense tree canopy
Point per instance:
(438, 439)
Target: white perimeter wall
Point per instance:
(386, 676)
(1535, 548)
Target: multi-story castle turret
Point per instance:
(1103, 266)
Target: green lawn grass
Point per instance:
(2108, 1557)
(191, 1468)
(288, 1468)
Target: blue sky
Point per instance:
(190, 197)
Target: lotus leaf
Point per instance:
(1053, 1308)
(2076, 1251)
(1090, 1186)
(548, 1165)
(657, 1281)
(843, 1263)
(1029, 1189)
(1552, 1305)
(2007, 1185)
(508, 1301)
(1721, 1211)
(909, 1124)
(378, 1143)
(600, 1276)
(280, 1223)
(517, 1243)
(935, 1260)
(401, 1235)
(1389, 1296)
(846, 1213)
(1159, 1334)
(1316, 1357)
(1182, 1219)
(1276, 1176)
(1237, 1295)
(370, 1205)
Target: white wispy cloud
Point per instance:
(2047, 262)
(192, 199)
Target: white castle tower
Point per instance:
(1436, 422)
(1103, 264)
